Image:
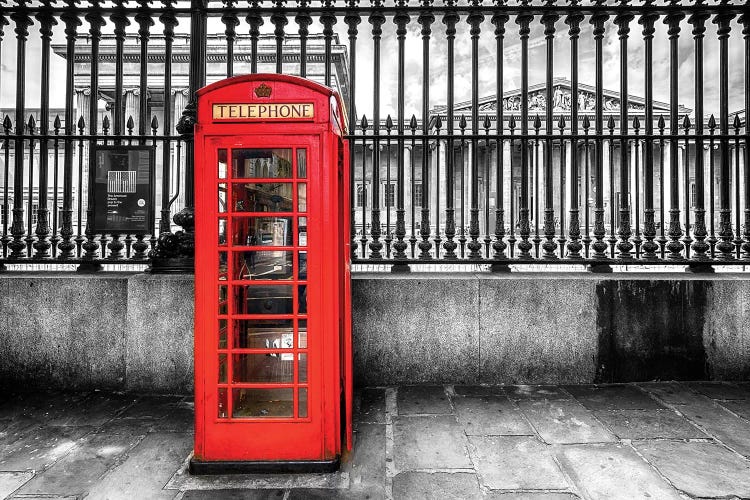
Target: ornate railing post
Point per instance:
(42, 246)
(726, 235)
(550, 245)
(498, 245)
(574, 229)
(524, 246)
(401, 19)
(377, 19)
(96, 21)
(649, 225)
(426, 18)
(474, 19)
(175, 252)
(745, 20)
(450, 20)
(23, 21)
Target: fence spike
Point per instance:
(661, 124)
(487, 123)
(413, 123)
(712, 122)
(637, 123)
(57, 124)
(537, 122)
(561, 123)
(363, 124)
(130, 125)
(438, 123)
(7, 124)
(586, 122)
(611, 123)
(154, 124)
(389, 123)
(31, 124)
(737, 124)
(105, 125)
(462, 122)
(81, 124)
(686, 123)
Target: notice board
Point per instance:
(124, 189)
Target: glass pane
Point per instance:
(223, 295)
(262, 197)
(264, 334)
(263, 265)
(222, 403)
(302, 297)
(302, 368)
(262, 368)
(301, 163)
(262, 163)
(222, 164)
(302, 197)
(222, 266)
(302, 228)
(302, 333)
(262, 403)
(222, 368)
(264, 299)
(262, 231)
(222, 334)
(222, 198)
(302, 403)
(222, 232)
(303, 265)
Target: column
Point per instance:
(178, 182)
(83, 107)
(132, 108)
(507, 182)
(666, 203)
(607, 196)
(408, 199)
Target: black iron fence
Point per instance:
(498, 169)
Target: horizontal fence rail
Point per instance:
(467, 146)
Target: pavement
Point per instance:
(661, 440)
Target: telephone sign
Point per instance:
(273, 361)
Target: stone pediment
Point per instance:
(561, 101)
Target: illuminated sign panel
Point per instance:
(265, 111)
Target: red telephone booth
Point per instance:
(272, 322)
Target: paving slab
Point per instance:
(529, 495)
(429, 442)
(77, 471)
(720, 423)
(429, 486)
(40, 447)
(422, 400)
(520, 392)
(613, 397)
(699, 469)
(491, 416)
(11, 481)
(671, 392)
(154, 407)
(721, 390)
(147, 468)
(323, 494)
(235, 494)
(478, 390)
(613, 472)
(367, 472)
(564, 422)
(515, 463)
(183, 480)
(371, 408)
(741, 408)
(648, 424)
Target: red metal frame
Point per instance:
(299, 439)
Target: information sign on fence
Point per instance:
(124, 189)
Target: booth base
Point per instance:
(201, 467)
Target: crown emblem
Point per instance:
(263, 90)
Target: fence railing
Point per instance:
(473, 139)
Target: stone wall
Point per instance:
(134, 331)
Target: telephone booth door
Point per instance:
(272, 349)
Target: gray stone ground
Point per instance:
(653, 440)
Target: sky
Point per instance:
(462, 81)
